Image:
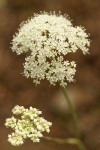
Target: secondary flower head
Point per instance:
(49, 37)
(31, 125)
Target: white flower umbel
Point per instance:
(31, 125)
(49, 37)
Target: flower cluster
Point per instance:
(31, 125)
(49, 37)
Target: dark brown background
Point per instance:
(85, 92)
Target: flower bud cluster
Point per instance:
(48, 38)
(31, 125)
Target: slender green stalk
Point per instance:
(71, 141)
(80, 144)
(73, 114)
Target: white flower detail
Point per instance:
(49, 37)
(15, 139)
(31, 125)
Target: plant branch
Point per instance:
(73, 113)
(71, 141)
(63, 140)
(77, 141)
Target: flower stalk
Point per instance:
(73, 141)
(73, 113)
(70, 141)
(76, 140)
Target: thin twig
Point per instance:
(71, 141)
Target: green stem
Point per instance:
(80, 144)
(71, 141)
(73, 114)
